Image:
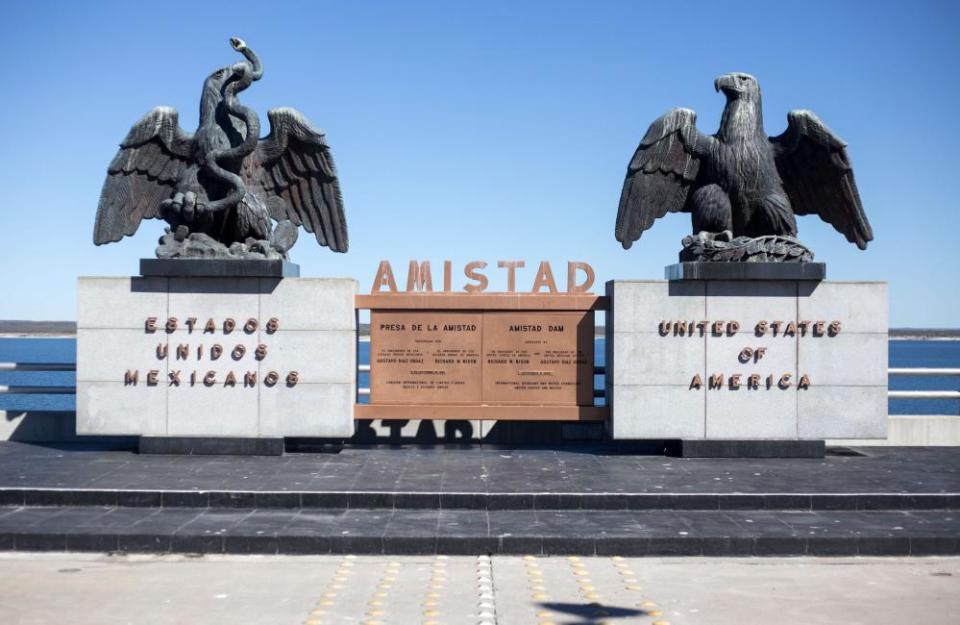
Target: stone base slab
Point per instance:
(752, 449)
(745, 271)
(218, 268)
(195, 446)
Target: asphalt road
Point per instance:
(82, 589)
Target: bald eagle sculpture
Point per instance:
(221, 188)
(739, 184)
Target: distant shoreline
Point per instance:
(66, 329)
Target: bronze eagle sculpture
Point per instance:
(739, 185)
(221, 188)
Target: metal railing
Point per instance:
(13, 389)
(924, 372)
(597, 370)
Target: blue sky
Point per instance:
(484, 131)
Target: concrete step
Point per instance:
(445, 500)
(556, 532)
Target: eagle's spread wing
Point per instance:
(659, 176)
(294, 163)
(143, 173)
(817, 176)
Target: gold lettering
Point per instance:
(174, 378)
(193, 378)
(511, 266)
(273, 324)
(834, 328)
(171, 326)
(292, 378)
(753, 382)
(250, 378)
(231, 380)
(150, 325)
(471, 272)
(745, 355)
(153, 377)
(216, 351)
(210, 378)
(696, 382)
(784, 382)
(818, 328)
(271, 378)
(261, 352)
(775, 326)
(183, 351)
(791, 329)
(447, 276)
(702, 326)
(251, 326)
(210, 326)
(572, 286)
(732, 328)
(735, 382)
(229, 325)
(665, 328)
(162, 350)
(804, 382)
(802, 325)
(758, 353)
(238, 352)
(385, 278)
(191, 322)
(715, 381)
(761, 328)
(131, 377)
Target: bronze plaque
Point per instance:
(425, 357)
(538, 358)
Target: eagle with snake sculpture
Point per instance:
(224, 191)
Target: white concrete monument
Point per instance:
(747, 359)
(208, 357)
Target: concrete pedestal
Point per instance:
(215, 357)
(701, 360)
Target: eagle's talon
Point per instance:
(189, 204)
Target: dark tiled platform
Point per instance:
(481, 500)
(581, 532)
(480, 478)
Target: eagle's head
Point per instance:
(737, 86)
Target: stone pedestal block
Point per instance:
(745, 360)
(216, 357)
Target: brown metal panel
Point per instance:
(363, 412)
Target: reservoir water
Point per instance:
(935, 354)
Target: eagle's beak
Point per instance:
(726, 83)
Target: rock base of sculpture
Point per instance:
(736, 360)
(180, 243)
(746, 271)
(724, 247)
(217, 268)
(216, 358)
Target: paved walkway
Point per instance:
(349, 590)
